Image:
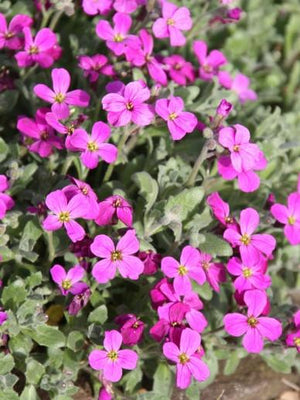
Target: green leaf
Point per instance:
(148, 188)
(215, 246)
(163, 380)
(3, 150)
(8, 394)
(20, 344)
(8, 380)
(34, 371)
(6, 363)
(75, 340)
(99, 315)
(14, 294)
(29, 393)
(280, 362)
(46, 335)
(31, 233)
(232, 363)
(185, 202)
(8, 99)
(6, 253)
(132, 378)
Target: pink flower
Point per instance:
(40, 135)
(60, 98)
(131, 328)
(240, 85)
(254, 327)
(112, 209)
(188, 268)
(179, 122)
(3, 317)
(79, 188)
(151, 261)
(180, 71)
(94, 66)
(11, 36)
(139, 53)
(128, 6)
(93, 147)
(37, 50)
(209, 63)
(116, 257)
(249, 276)
(221, 210)
(174, 20)
(187, 361)
(82, 294)
(250, 246)
(104, 394)
(93, 7)
(224, 108)
(296, 319)
(6, 202)
(116, 38)
(67, 282)
(112, 360)
(157, 296)
(129, 106)
(215, 272)
(64, 214)
(289, 216)
(292, 340)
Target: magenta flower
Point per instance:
(224, 108)
(174, 20)
(180, 71)
(221, 210)
(188, 268)
(293, 339)
(93, 147)
(79, 188)
(116, 257)
(64, 214)
(254, 327)
(104, 394)
(250, 246)
(11, 36)
(289, 216)
(37, 50)
(95, 66)
(93, 7)
(215, 272)
(128, 6)
(6, 202)
(209, 63)
(112, 209)
(129, 106)
(157, 295)
(179, 122)
(249, 276)
(67, 281)
(116, 38)
(139, 53)
(39, 135)
(151, 261)
(187, 361)
(3, 317)
(112, 360)
(82, 294)
(60, 98)
(239, 85)
(131, 328)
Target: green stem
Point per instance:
(55, 20)
(66, 165)
(111, 167)
(202, 157)
(51, 249)
(29, 72)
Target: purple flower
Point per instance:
(151, 261)
(254, 327)
(239, 84)
(112, 360)
(95, 66)
(117, 37)
(38, 49)
(59, 97)
(39, 134)
(224, 108)
(188, 363)
(82, 294)
(11, 36)
(180, 71)
(157, 296)
(174, 20)
(67, 281)
(3, 317)
(64, 214)
(93, 7)
(179, 122)
(128, 6)
(93, 147)
(116, 257)
(129, 105)
(6, 202)
(221, 210)
(215, 272)
(131, 328)
(112, 209)
(209, 63)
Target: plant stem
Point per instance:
(51, 249)
(202, 157)
(55, 19)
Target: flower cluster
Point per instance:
(6, 201)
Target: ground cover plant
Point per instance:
(149, 194)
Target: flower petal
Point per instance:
(112, 340)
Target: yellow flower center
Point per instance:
(183, 358)
(207, 68)
(70, 129)
(173, 116)
(247, 272)
(44, 135)
(9, 35)
(33, 50)
(84, 190)
(92, 146)
(170, 21)
(297, 341)
(177, 67)
(64, 216)
(59, 98)
(129, 106)
(245, 239)
(118, 38)
(205, 265)
(112, 355)
(182, 270)
(291, 220)
(236, 148)
(252, 322)
(117, 203)
(67, 284)
(116, 256)
(229, 220)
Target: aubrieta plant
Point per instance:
(150, 214)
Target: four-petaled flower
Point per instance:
(209, 63)
(68, 282)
